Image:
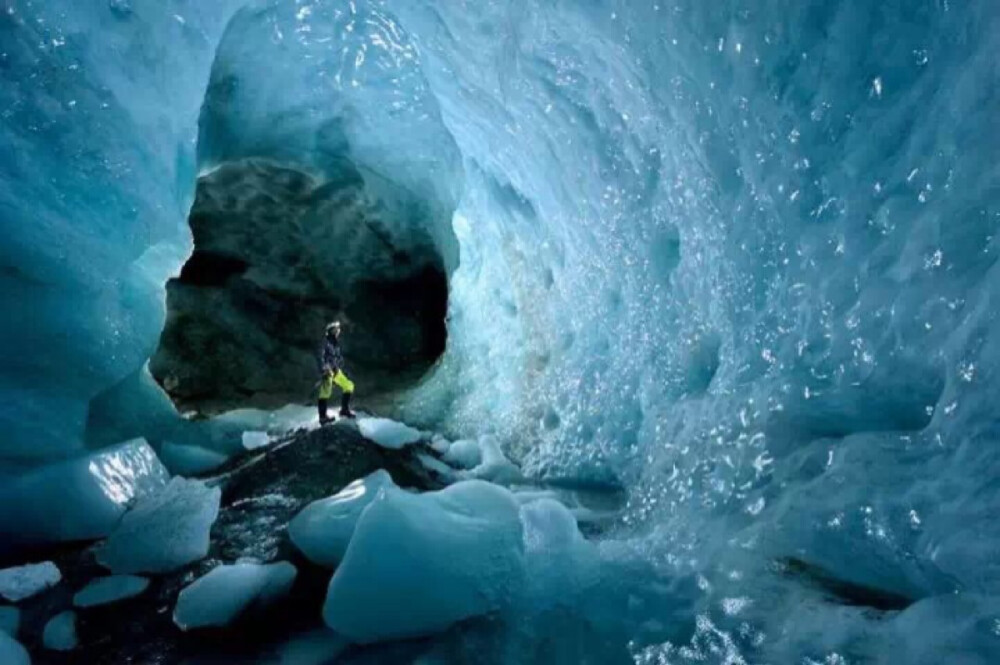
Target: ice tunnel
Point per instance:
(736, 260)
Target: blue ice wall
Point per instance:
(738, 257)
(100, 101)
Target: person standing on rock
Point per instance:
(331, 367)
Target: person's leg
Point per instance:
(347, 386)
(325, 393)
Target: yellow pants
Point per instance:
(340, 380)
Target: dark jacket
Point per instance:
(330, 357)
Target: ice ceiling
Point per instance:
(737, 257)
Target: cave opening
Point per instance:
(278, 253)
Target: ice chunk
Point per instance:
(323, 529)
(225, 593)
(435, 465)
(10, 620)
(190, 460)
(494, 466)
(560, 562)
(79, 498)
(164, 531)
(464, 453)
(60, 632)
(253, 440)
(22, 582)
(11, 651)
(388, 433)
(439, 444)
(421, 562)
(317, 647)
(109, 590)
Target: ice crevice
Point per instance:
(699, 300)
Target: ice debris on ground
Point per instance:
(316, 647)
(464, 454)
(323, 529)
(228, 591)
(60, 632)
(10, 620)
(189, 460)
(164, 531)
(388, 433)
(254, 440)
(11, 651)
(419, 563)
(22, 582)
(435, 465)
(494, 465)
(109, 590)
(439, 444)
(79, 498)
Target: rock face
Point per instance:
(278, 253)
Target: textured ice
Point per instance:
(316, 647)
(253, 440)
(228, 591)
(323, 529)
(493, 465)
(110, 590)
(388, 433)
(187, 460)
(25, 581)
(464, 453)
(60, 632)
(420, 563)
(164, 531)
(11, 651)
(79, 498)
(10, 620)
(741, 261)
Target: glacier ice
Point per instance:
(493, 465)
(11, 651)
(227, 591)
(420, 563)
(79, 498)
(25, 581)
(253, 440)
(163, 531)
(10, 620)
(323, 529)
(464, 453)
(388, 433)
(110, 589)
(739, 261)
(60, 632)
(188, 460)
(316, 647)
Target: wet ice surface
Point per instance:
(20, 582)
(110, 590)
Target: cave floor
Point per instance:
(261, 491)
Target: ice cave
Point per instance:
(674, 329)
